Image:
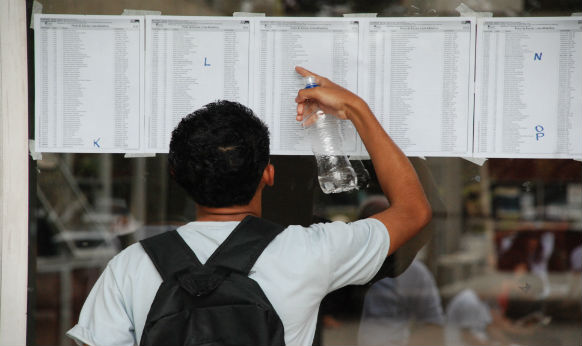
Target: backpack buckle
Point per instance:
(200, 281)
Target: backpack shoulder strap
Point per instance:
(169, 253)
(242, 248)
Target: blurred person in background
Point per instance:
(405, 310)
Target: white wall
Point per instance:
(13, 173)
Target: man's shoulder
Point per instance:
(310, 238)
(368, 223)
(130, 260)
(134, 250)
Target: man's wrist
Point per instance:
(356, 109)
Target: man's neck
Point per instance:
(223, 214)
(232, 213)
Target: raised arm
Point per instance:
(409, 209)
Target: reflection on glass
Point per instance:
(393, 305)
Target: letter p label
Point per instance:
(539, 132)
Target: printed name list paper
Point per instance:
(529, 86)
(328, 47)
(191, 61)
(418, 78)
(88, 83)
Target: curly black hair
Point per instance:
(218, 154)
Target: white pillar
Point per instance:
(13, 173)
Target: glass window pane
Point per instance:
(501, 260)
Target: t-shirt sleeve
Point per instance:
(104, 319)
(355, 251)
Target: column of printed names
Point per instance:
(89, 74)
(419, 83)
(191, 62)
(529, 75)
(327, 47)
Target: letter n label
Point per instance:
(538, 56)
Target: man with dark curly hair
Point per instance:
(220, 155)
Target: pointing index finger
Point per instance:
(305, 73)
(321, 81)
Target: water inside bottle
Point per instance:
(325, 135)
(335, 174)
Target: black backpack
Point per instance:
(215, 304)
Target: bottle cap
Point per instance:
(310, 82)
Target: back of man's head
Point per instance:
(218, 154)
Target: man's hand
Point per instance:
(332, 98)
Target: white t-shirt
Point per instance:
(296, 270)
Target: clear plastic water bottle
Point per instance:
(335, 172)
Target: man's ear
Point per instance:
(269, 175)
